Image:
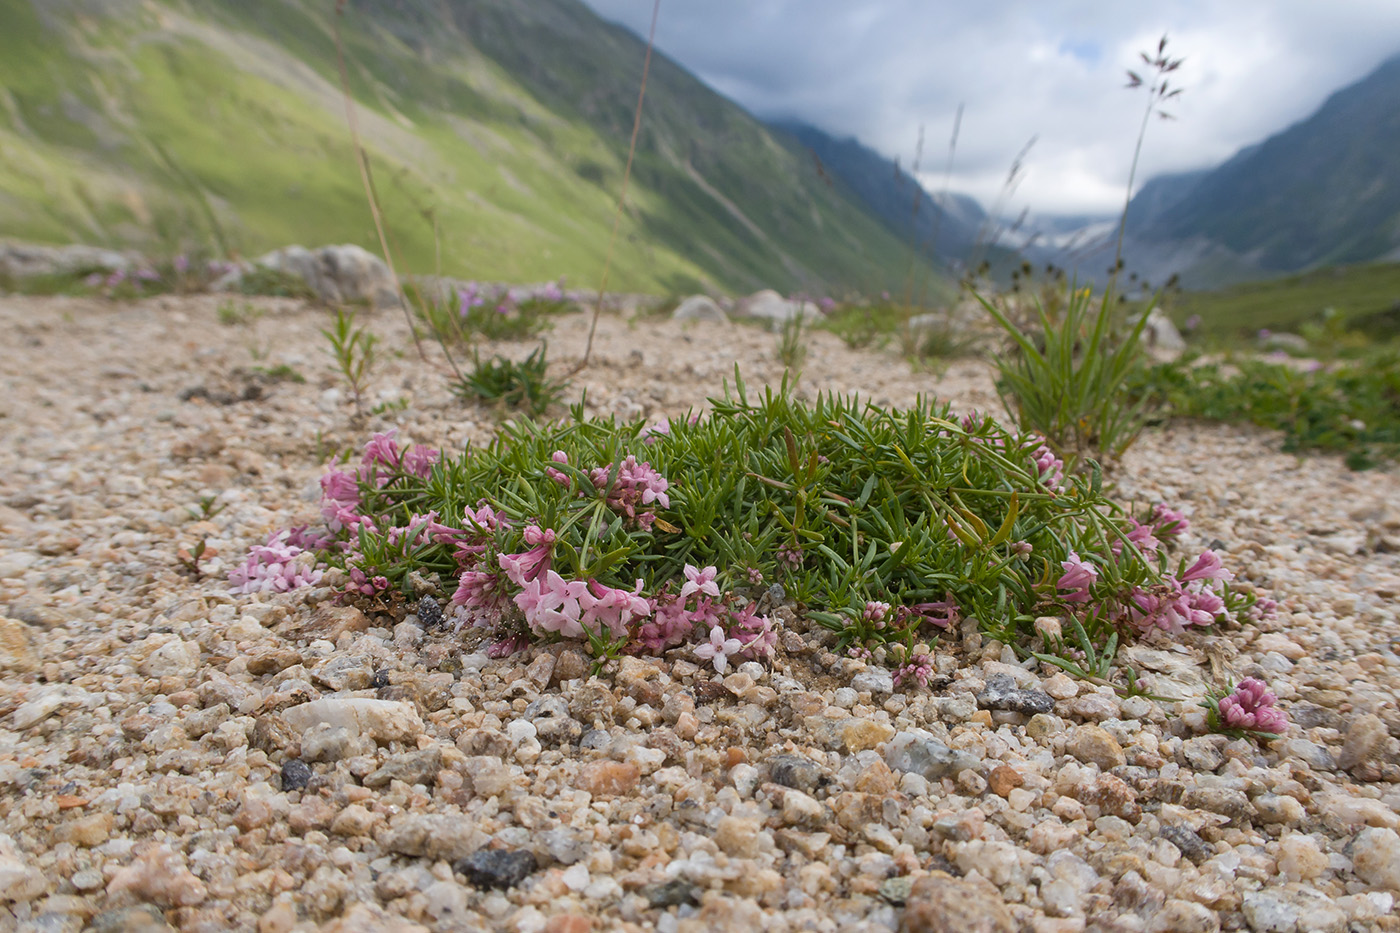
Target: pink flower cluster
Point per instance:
(1163, 525)
(481, 594)
(942, 614)
(1252, 707)
(1189, 597)
(1050, 467)
(340, 489)
(875, 613)
(918, 668)
(747, 635)
(366, 584)
(572, 608)
(277, 566)
(383, 451)
(1182, 599)
(635, 485)
(1077, 578)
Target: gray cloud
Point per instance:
(1053, 69)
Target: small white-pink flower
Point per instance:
(718, 649)
(699, 581)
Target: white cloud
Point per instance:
(880, 69)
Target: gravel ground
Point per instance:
(175, 757)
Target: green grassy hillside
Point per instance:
(497, 132)
(1364, 297)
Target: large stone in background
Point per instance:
(27, 261)
(1161, 338)
(768, 305)
(337, 274)
(699, 308)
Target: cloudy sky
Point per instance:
(1052, 69)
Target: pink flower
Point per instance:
(1252, 707)
(1168, 523)
(875, 612)
(718, 649)
(636, 484)
(552, 604)
(1173, 607)
(381, 449)
(275, 567)
(419, 460)
(699, 581)
(1207, 567)
(480, 593)
(650, 433)
(1078, 576)
(340, 499)
(559, 476)
(307, 540)
(507, 646)
(612, 608)
(941, 614)
(670, 626)
(918, 668)
(364, 584)
(1141, 536)
(1050, 468)
(755, 632)
(524, 567)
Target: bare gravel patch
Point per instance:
(172, 756)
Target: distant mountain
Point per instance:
(497, 132)
(947, 227)
(1159, 195)
(1324, 191)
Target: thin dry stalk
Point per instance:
(942, 206)
(622, 195)
(1159, 92)
(362, 161)
(914, 223)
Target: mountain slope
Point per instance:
(889, 193)
(497, 133)
(1325, 190)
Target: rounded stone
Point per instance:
(1094, 745)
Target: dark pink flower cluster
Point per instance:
(635, 486)
(918, 669)
(736, 632)
(875, 613)
(340, 502)
(1049, 467)
(943, 613)
(1181, 600)
(1191, 596)
(382, 458)
(481, 593)
(383, 451)
(1252, 707)
(700, 606)
(277, 566)
(366, 584)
